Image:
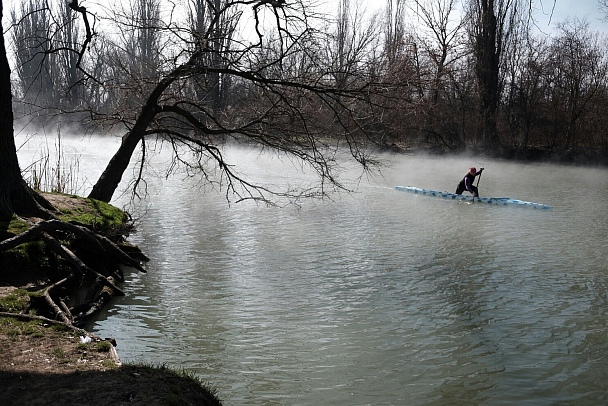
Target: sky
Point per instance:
(564, 9)
(547, 12)
(583, 9)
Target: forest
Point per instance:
(480, 75)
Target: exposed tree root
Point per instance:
(76, 263)
(102, 270)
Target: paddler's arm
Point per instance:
(467, 183)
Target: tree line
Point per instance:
(470, 74)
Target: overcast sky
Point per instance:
(560, 10)
(547, 12)
(564, 9)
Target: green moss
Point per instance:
(95, 213)
(28, 256)
(86, 211)
(15, 302)
(36, 252)
(104, 346)
(58, 353)
(13, 224)
(82, 347)
(108, 363)
(33, 330)
(14, 327)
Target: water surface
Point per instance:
(380, 297)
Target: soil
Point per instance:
(44, 362)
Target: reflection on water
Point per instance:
(382, 297)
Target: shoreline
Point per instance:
(53, 361)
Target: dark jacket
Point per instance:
(468, 181)
(467, 184)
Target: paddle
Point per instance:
(478, 179)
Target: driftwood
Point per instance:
(64, 315)
(103, 269)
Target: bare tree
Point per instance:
(132, 53)
(47, 42)
(444, 44)
(602, 6)
(441, 39)
(273, 99)
(348, 48)
(36, 65)
(491, 25)
(526, 88)
(395, 35)
(578, 69)
(214, 32)
(69, 39)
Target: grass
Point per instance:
(14, 225)
(54, 175)
(14, 328)
(15, 302)
(103, 346)
(172, 393)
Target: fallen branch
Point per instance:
(76, 243)
(65, 317)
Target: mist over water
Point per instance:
(379, 297)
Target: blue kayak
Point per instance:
(500, 201)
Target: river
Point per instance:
(378, 297)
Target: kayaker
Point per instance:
(467, 182)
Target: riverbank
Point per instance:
(44, 361)
(571, 156)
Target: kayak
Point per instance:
(500, 201)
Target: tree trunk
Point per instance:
(488, 54)
(15, 195)
(110, 178)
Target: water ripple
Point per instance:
(378, 298)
